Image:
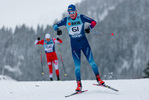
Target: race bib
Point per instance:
(49, 48)
(75, 30)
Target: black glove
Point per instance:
(59, 32)
(87, 30)
(57, 38)
(38, 38)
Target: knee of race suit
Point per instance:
(77, 73)
(56, 64)
(49, 63)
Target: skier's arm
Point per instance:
(38, 42)
(60, 23)
(89, 20)
(57, 40)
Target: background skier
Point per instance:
(49, 46)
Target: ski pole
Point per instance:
(41, 63)
(95, 32)
(61, 57)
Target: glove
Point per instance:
(87, 30)
(38, 38)
(59, 32)
(57, 38)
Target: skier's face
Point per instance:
(72, 14)
(47, 39)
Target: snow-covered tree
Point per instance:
(146, 71)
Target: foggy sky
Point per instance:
(32, 12)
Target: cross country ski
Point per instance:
(107, 86)
(78, 92)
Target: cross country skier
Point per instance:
(49, 46)
(75, 26)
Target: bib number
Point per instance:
(49, 48)
(75, 30)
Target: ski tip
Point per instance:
(116, 90)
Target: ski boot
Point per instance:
(58, 79)
(100, 82)
(51, 79)
(79, 86)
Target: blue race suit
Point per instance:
(78, 41)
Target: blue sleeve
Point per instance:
(89, 20)
(60, 23)
(86, 19)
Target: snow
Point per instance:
(136, 89)
(5, 78)
(15, 70)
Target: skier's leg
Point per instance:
(55, 61)
(49, 62)
(89, 56)
(88, 53)
(76, 58)
(50, 70)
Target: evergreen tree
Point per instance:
(146, 71)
